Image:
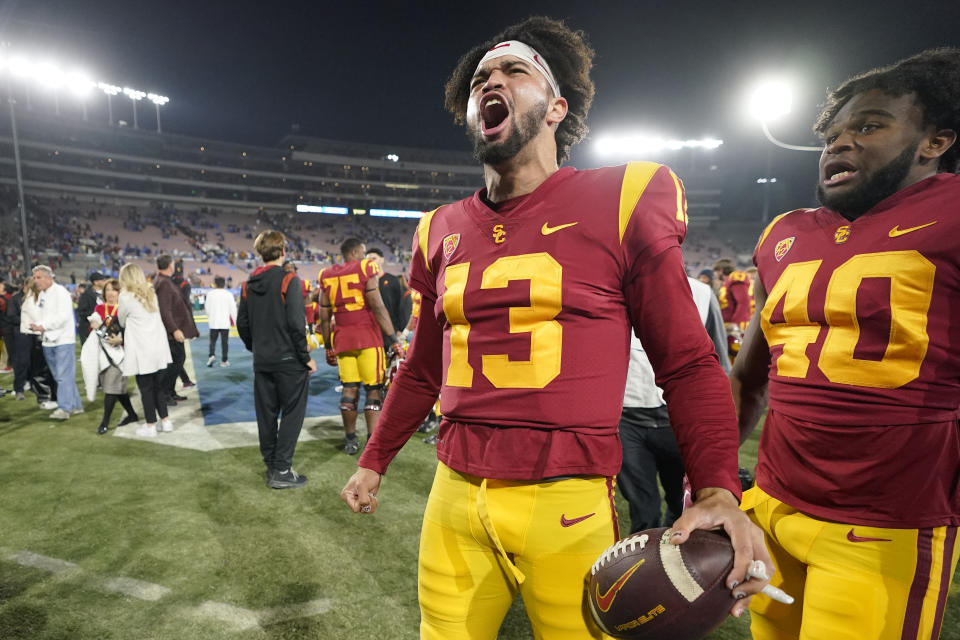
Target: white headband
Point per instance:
(526, 53)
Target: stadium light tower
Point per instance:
(49, 76)
(158, 101)
(80, 84)
(135, 96)
(771, 100)
(110, 90)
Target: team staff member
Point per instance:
(271, 323)
(856, 340)
(350, 295)
(393, 292)
(523, 285)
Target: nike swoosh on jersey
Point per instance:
(852, 537)
(547, 229)
(564, 522)
(897, 231)
(605, 600)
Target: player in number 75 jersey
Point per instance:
(530, 290)
(856, 331)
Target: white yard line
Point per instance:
(237, 618)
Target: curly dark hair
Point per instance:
(932, 75)
(570, 58)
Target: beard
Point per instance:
(882, 184)
(526, 129)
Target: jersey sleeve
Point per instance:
(652, 213)
(422, 272)
(369, 268)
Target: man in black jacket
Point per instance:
(89, 299)
(177, 320)
(271, 322)
(392, 290)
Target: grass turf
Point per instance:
(234, 555)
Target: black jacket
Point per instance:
(86, 305)
(274, 330)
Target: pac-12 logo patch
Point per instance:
(782, 247)
(450, 244)
(841, 234)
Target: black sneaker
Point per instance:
(102, 429)
(128, 419)
(351, 445)
(288, 479)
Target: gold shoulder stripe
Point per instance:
(423, 235)
(681, 201)
(766, 232)
(636, 177)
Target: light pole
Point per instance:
(110, 90)
(49, 76)
(80, 85)
(770, 100)
(135, 96)
(158, 101)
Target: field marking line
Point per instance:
(242, 619)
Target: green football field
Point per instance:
(106, 537)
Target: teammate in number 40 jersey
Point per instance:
(856, 338)
(530, 291)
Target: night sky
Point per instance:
(374, 71)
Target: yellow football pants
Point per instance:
(851, 582)
(484, 540)
(362, 365)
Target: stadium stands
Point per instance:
(98, 196)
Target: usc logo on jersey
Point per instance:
(841, 234)
(499, 235)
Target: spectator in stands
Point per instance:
(221, 311)
(144, 355)
(178, 321)
(271, 325)
(87, 302)
(108, 351)
(41, 380)
(57, 329)
(392, 291)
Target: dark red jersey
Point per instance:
(735, 299)
(312, 311)
(861, 322)
(345, 285)
(536, 300)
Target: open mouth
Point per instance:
(493, 115)
(838, 172)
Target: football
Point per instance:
(644, 587)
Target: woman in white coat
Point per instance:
(146, 354)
